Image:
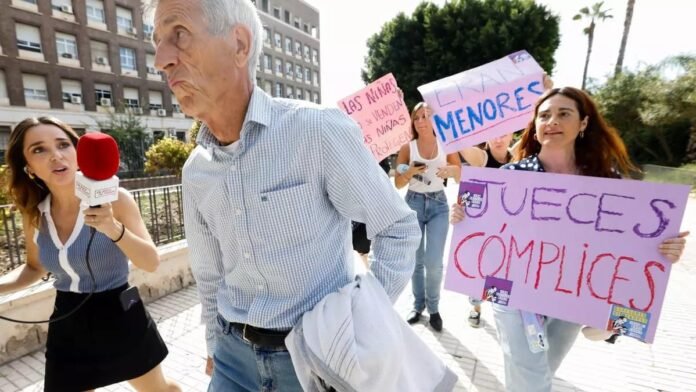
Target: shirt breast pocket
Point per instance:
(287, 215)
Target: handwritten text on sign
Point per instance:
(382, 116)
(572, 246)
(488, 101)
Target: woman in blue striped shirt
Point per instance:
(101, 339)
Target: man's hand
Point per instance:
(209, 366)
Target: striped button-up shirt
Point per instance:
(268, 218)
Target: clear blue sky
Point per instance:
(660, 29)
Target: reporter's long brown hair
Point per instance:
(600, 153)
(26, 192)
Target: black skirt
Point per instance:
(101, 344)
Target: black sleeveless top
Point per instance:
(492, 162)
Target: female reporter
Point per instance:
(109, 337)
(567, 136)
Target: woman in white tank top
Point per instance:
(428, 167)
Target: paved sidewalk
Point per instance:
(667, 365)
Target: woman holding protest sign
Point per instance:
(423, 166)
(567, 136)
(494, 154)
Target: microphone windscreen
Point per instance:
(97, 156)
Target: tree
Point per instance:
(435, 42)
(167, 154)
(596, 14)
(131, 136)
(654, 114)
(624, 37)
(193, 132)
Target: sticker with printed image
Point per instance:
(497, 290)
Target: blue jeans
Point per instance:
(526, 371)
(244, 367)
(433, 218)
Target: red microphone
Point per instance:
(98, 158)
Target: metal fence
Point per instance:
(160, 207)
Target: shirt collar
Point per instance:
(259, 112)
(45, 205)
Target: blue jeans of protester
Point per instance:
(244, 367)
(433, 217)
(526, 371)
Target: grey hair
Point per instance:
(222, 16)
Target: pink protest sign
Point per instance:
(382, 116)
(581, 249)
(488, 101)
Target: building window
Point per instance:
(287, 17)
(306, 28)
(278, 90)
(131, 98)
(124, 20)
(278, 41)
(298, 49)
(72, 91)
(306, 53)
(100, 52)
(28, 38)
(289, 68)
(264, 5)
(276, 12)
(289, 92)
(315, 80)
(267, 63)
(4, 141)
(315, 32)
(297, 23)
(155, 100)
(268, 87)
(299, 93)
(176, 108)
(3, 86)
(267, 36)
(308, 75)
(127, 58)
(34, 87)
(315, 98)
(66, 46)
(288, 45)
(279, 66)
(64, 6)
(102, 91)
(148, 29)
(95, 11)
(298, 71)
(315, 56)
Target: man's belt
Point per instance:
(260, 336)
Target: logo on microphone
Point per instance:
(82, 189)
(106, 191)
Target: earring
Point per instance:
(582, 134)
(26, 170)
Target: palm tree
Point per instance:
(596, 14)
(624, 38)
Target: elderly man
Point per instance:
(269, 194)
